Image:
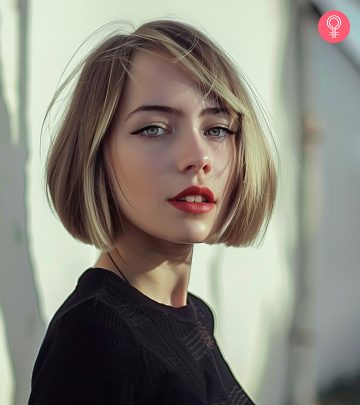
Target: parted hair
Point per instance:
(77, 181)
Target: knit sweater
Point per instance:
(109, 344)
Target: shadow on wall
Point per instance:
(24, 327)
(343, 391)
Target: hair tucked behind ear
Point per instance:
(77, 181)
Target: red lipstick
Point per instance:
(194, 190)
(194, 207)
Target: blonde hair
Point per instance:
(77, 180)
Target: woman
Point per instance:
(159, 148)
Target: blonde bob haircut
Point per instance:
(77, 180)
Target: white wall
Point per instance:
(333, 96)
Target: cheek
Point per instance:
(138, 172)
(227, 176)
(136, 155)
(222, 165)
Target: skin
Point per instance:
(155, 253)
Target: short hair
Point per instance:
(77, 181)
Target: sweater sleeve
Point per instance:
(85, 358)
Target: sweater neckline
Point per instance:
(95, 275)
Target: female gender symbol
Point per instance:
(337, 22)
(333, 32)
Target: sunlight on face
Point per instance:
(156, 152)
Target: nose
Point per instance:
(193, 154)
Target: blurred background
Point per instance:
(288, 312)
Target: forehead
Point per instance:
(155, 76)
(157, 63)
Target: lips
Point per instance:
(194, 190)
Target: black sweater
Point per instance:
(109, 344)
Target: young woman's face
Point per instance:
(178, 149)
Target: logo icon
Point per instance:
(333, 26)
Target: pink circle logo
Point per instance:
(333, 26)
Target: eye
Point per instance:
(225, 130)
(150, 131)
(153, 131)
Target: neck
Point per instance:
(159, 269)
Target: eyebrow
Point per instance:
(172, 110)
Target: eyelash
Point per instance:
(153, 125)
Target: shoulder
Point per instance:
(100, 301)
(204, 311)
(86, 339)
(87, 355)
(92, 318)
(90, 328)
